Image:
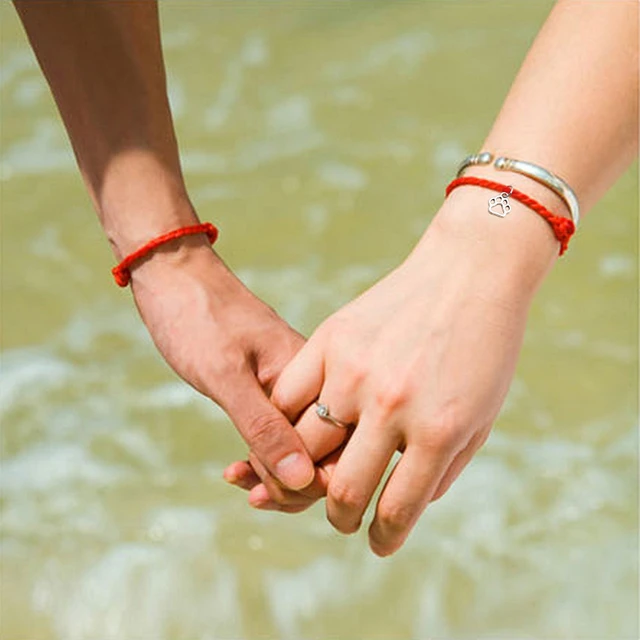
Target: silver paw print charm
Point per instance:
(499, 205)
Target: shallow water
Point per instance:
(320, 137)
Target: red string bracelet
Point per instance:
(122, 272)
(563, 228)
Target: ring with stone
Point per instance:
(323, 412)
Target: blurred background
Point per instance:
(320, 137)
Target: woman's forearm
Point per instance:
(573, 107)
(103, 61)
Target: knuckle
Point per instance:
(392, 395)
(344, 526)
(340, 331)
(434, 440)
(445, 431)
(230, 360)
(334, 325)
(332, 333)
(354, 370)
(396, 517)
(280, 397)
(264, 430)
(208, 377)
(346, 497)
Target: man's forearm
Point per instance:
(103, 61)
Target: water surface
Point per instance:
(319, 136)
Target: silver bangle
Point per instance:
(540, 174)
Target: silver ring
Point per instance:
(323, 412)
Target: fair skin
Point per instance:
(422, 361)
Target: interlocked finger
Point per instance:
(299, 502)
(407, 492)
(358, 472)
(321, 436)
(272, 492)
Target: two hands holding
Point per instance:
(420, 363)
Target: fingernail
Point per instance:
(295, 471)
(230, 477)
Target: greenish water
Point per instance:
(319, 136)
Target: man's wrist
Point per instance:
(179, 266)
(133, 226)
(139, 196)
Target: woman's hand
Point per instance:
(420, 363)
(423, 360)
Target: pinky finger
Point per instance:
(457, 465)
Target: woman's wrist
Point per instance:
(543, 193)
(514, 253)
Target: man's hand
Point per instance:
(109, 83)
(226, 343)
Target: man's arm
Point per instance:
(103, 61)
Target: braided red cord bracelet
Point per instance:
(563, 228)
(122, 272)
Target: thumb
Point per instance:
(267, 432)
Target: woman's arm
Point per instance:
(573, 106)
(103, 61)
(423, 360)
(573, 109)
